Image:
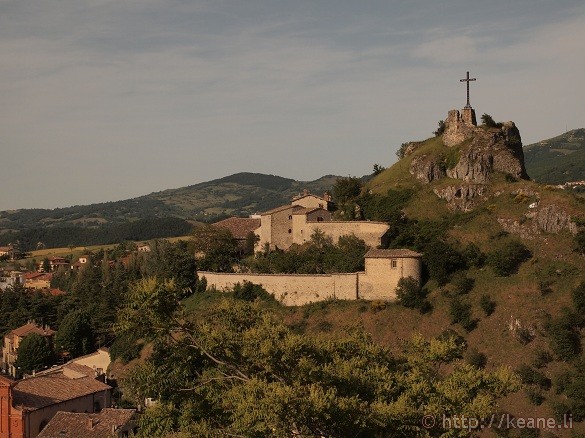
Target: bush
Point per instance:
(580, 242)
(461, 314)
(488, 121)
(442, 261)
(506, 260)
(530, 376)
(487, 305)
(541, 358)
(441, 129)
(463, 284)
(410, 294)
(578, 296)
(564, 337)
(476, 358)
(251, 292)
(535, 396)
(473, 255)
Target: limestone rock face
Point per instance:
(462, 197)
(553, 219)
(426, 170)
(488, 150)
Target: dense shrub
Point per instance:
(473, 255)
(578, 296)
(535, 396)
(462, 284)
(251, 292)
(442, 260)
(506, 259)
(460, 312)
(580, 242)
(541, 358)
(564, 338)
(476, 358)
(487, 304)
(530, 376)
(410, 294)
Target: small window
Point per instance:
(394, 263)
(319, 219)
(289, 231)
(290, 217)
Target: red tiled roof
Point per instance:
(40, 391)
(73, 424)
(391, 254)
(240, 227)
(32, 328)
(31, 275)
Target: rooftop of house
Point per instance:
(31, 327)
(98, 425)
(302, 210)
(55, 387)
(391, 254)
(240, 227)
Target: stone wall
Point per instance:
(378, 282)
(292, 289)
(370, 232)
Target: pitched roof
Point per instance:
(304, 210)
(391, 254)
(240, 227)
(98, 425)
(278, 209)
(40, 391)
(31, 327)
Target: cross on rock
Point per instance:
(468, 80)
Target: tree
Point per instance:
(215, 248)
(378, 169)
(75, 335)
(488, 121)
(410, 294)
(580, 242)
(242, 372)
(506, 259)
(441, 129)
(34, 354)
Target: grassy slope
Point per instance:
(557, 160)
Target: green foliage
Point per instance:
(535, 396)
(215, 248)
(578, 296)
(318, 256)
(580, 242)
(506, 259)
(488, 121)
(75, 335)
(460, 312)
(411, 295)
(442, 260)
(242, 372)
(541, 358)
(125, 348)
(530, 376)
(571, 384)
(386, 208)
(251, 292)
(473, 255)
(441, 129)
(563, 333)
(346, 189)
(378, 169)
(34, 354)
(462, 283)
(401, 152)
(475, 358)
(487, 304)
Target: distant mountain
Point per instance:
(170, 211)
(557, 160)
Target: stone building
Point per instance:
(383, 269)
(13, 339)
(110, 423)
(295, 223)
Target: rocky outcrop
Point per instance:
(463, 197)
(547, 219)
(426, 169)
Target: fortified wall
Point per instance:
(383, 269)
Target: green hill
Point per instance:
(161, 214)
(557, 160)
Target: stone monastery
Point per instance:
(294, 224)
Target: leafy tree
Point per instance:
(345, 193)
(215, 248)
(488, 121)
(461, 313)
(487, 304)
(506, 259)
(580, 242)
(563, 333)
(241, 371)
(410, 294)
(75, 335)
(401, 152)
(578, 296)
(34, 354)
(442, 260)
(378, 169)
(473, 255)
(441, 129)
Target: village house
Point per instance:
(10, 279)
(37, 280)
(240, 227)
(27, 406)
(110, 423)
(54, 264)
(81, 262)
(13, 339)
(6, 252)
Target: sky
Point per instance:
(102, 100)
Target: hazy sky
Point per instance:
(105, 100)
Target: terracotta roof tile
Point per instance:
(98, 425)
(40, 391)
(32, 328)
(240, 227)
(391, 254)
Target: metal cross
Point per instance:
(467, 80)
